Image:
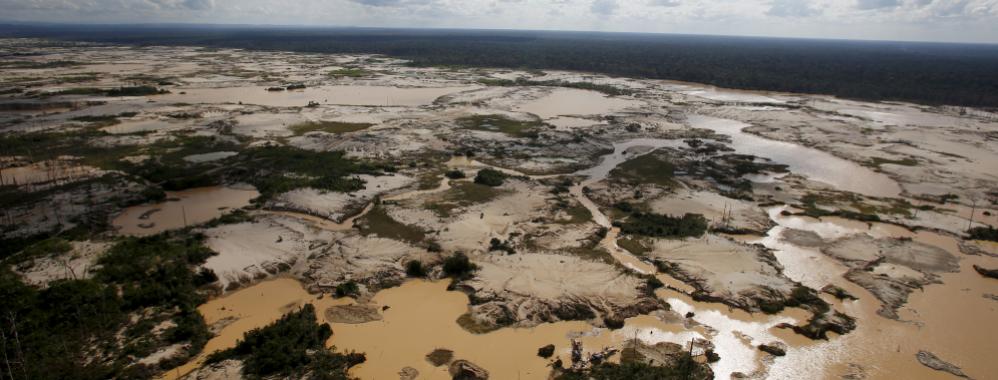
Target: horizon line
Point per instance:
(431, 28)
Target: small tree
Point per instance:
(490, 177)
(414, 268)
(459, 266)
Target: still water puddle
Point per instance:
(182, 208)
(815, 164)
(953, 319)
(566, 102)
(420, 317)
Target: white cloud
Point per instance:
(877, 4)
(604, 7)
(946, 20)
(665, 3)
(792, 8)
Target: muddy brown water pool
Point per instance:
(182, 208)
(952, 319)
(421, 316)
(566, 102)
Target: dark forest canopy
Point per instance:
(928, 73)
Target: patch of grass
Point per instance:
(463, 194)
(877, 161)
(100, 121)
(135, 91)
(350, 72)
(867, 213)
(467, 193)
(664, 226)
(648, 168)
(334, 127)
(983, 233)
(633, 245)
(469, 324)
(579, 214)
(49, 247)
(78, 91)
(606, 89)
(378, 222)
(78, 78)
(347, 289)
(277, 169)
(499, 123)
(120, 91)
(440, 356)
(592, 252)
(39, 65)
(428, 181)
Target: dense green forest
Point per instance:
(94, 327)
(930, 73)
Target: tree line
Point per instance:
(928, 73)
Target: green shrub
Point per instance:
(434, 247)
(135, 91)
(503, 124)
(334, 127)
(347, 289)
(490, 177)
(983, 233)
(291, 347)
(414, 268)
(459, 266)
(277, 169)
(666, 226)
(653, 282)
(48, 247)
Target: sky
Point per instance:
(906, 20)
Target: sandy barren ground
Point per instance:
(337, 206)
(260, 248)
(736, 213)
(72, 265)
(532, 288)
(371, 261)
(725, 269)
